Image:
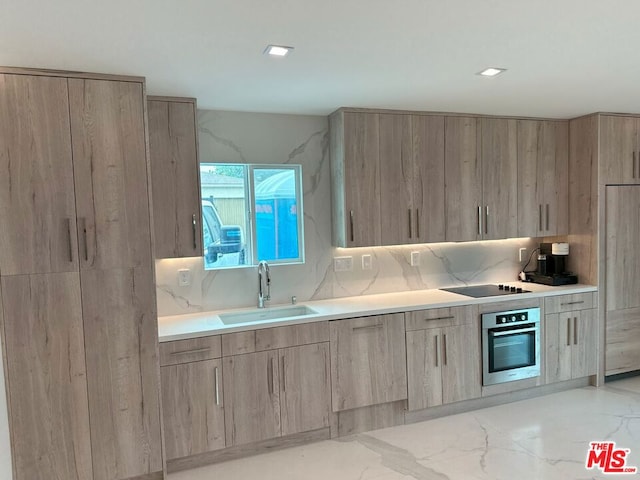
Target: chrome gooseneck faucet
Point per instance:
(263, 270)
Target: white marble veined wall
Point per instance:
(273, 138)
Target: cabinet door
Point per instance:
(558, 339)
(499, 178)
(428, 187)
(368, 361)
(461, 363)
(584, 353)
(463, 184)
(173, 151)
(121, 339)
(619, 152)
(46, 377)
(193, 410)
(543, 165)
(361, 181)
(252, 397)
(305, 391)
(623, 341)
(110, 171)
(622, 258)
(397, 173)
(424, 368)
(37, 203)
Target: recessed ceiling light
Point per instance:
(278, 50)
(491, 72)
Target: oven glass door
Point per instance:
(512, 347)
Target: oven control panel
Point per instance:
(513, 317)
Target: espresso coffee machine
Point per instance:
(552, 269)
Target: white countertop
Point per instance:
(192, 325)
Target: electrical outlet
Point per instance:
(184, 277)
(366, 262)
(342, 264)
(415, 259)
(522, 254)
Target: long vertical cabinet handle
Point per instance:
(284, 374)
(568, 332)
(444, 348)
(633, 164)
(193, 226)
(351, 224)
(409, 217)
(68, 222)
(486, 220)
(83, 222)
(546, 217)
(479, 220)
(417, 223)
(437, 350)
(217, 383)
(270, 376)
(575, 330)
(540, 216)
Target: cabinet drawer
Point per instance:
(291, 336)
(190, 350)
(568, 303)
(440, 317)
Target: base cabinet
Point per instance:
(192, 401)
(368, 361)
(442, 363)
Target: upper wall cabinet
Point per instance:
(173, 148)
(387, 178)
(619, 149)
(543, 166)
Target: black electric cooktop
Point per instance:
(478, 291)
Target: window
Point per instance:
(251, 213)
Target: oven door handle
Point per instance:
(511, 332)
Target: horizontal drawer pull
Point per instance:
(195, 350)
(367, 327)
(450, 317)
(572, 303)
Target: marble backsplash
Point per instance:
(228, 137)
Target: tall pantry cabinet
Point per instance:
(77, 312)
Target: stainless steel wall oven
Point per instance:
(510, 345)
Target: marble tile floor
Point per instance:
(544, 438)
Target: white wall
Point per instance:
(302, 139)
(5, 445)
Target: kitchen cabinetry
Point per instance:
(368, 361)
(619, 149)
(443, 356)
(355, 174)
(89, 170)
(173, 150)
(622, 277)
(570, 336)
(412, 166)
(543, 178)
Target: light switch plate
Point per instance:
(366, 262)
(342, 264)
(184, 277)
(522, 254)
(415, 259)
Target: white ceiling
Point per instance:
(565, 57)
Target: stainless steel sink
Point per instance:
(263, 314)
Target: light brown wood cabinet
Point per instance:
(193, 406)
(355, 179)
(622, 277)
(368, 361)
(443, 352)
(543, 178)
(571, 345)
(619, 149)
(173, 150)
(90, 167)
